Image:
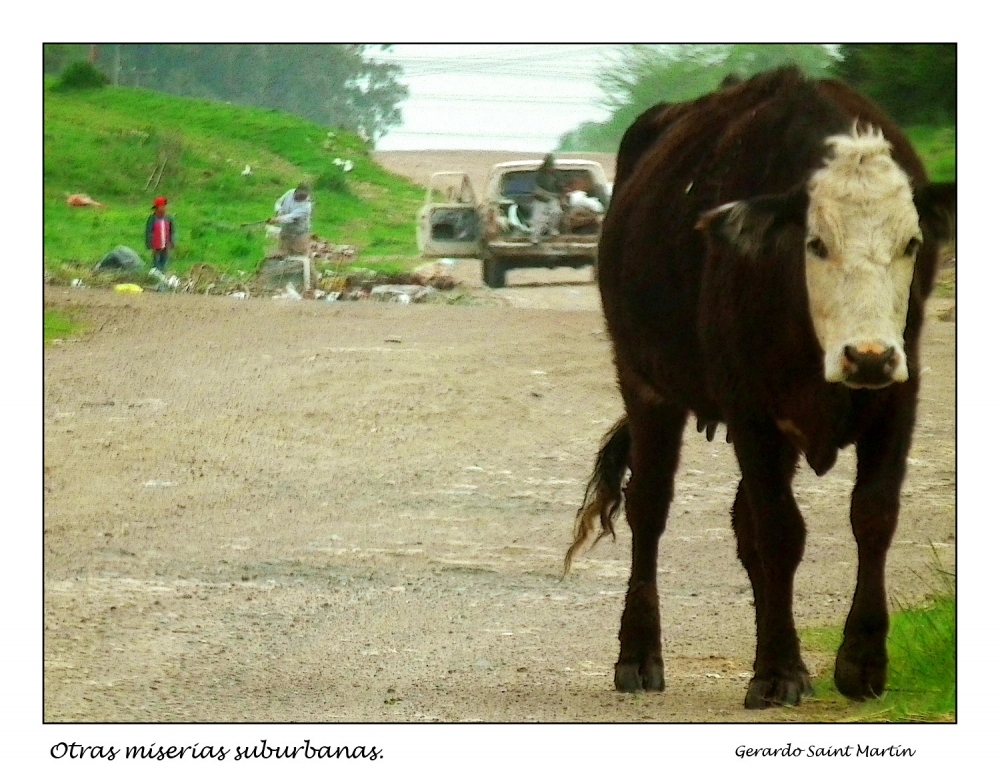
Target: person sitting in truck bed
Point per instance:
(585, 205)
(546, 208)
(582, 192)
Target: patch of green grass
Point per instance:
(944, 286)
(389, 265)
(58, 324)
(111, 143)
(936, 147)
(921, 685)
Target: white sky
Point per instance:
(508, 97)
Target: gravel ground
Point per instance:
(265, 510)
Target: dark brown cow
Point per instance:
(764, 264)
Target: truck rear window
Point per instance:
(521, 183)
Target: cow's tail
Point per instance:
(603, 499)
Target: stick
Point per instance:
(161, 174)
(153, 174)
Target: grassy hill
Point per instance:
(108, 142)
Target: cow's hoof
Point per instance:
(778, 689)
(859, 679)
(635, 677)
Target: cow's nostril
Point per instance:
(869, 364)
(889, 360)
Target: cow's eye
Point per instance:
(912, 247)
(815, 247)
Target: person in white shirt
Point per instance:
(293, 213)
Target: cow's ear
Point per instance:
(748, 224)
(937, 206)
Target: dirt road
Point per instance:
(302, 511)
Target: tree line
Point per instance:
(915, 83)
(335, 85)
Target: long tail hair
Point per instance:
(603, 500)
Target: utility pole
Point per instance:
(117, 65)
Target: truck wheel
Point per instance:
(494, 273)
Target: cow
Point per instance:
(764, 265)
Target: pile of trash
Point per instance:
(402, 294)
(322, 250)
(322, 275)
(334, 284)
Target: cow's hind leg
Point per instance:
(862, 661)
(770, 535)
(656, 440)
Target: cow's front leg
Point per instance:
(770, 540)
(862, 661)
(656, 440)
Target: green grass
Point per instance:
(922, 667)
(390, 265)
(944, 286)
(936, 147)
(107, 142)
(58, 325)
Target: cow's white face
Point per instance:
(862, 236)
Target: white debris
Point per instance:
(402, 294)
(290, 292)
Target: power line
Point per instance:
(396, 132)
(554, 61)
(568, 76)
(500, 56)
(506, 99)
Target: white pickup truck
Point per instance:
(453, 224)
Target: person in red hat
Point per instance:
(160, 233)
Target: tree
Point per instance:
(80, 75)
(915, 83)
(57, 56)
(650, 74)
(336, 85)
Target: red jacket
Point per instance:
(159, 232)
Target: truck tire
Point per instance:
(494, 273)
